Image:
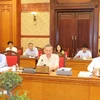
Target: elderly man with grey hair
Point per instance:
(49, 59)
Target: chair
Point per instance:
(2, 49)
(66, 52)
(40, 51)
(19, 50)
(12, 57)
(61, 59)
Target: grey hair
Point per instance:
(48, 45)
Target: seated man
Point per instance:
(31, 51)
(49, 59)
(94, 65)
(84, 53)
(11, 47)
(3, 61)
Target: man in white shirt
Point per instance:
(31, 51)
(11, 47)
(3, 61)
(84, 53)
(94, 65)
(49, 59)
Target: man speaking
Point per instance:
(49, 59)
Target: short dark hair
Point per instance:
(9, 42)
(84, 46)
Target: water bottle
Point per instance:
(14, 68)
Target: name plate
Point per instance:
(42, 69)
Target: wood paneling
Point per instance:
(35, 7)
(35, 36)
(84, 33)
(28, 62)
(74, 1)
(78, 65)
(74, 31)
(9, 22)
(64, 34)
(60, 4)
(5, 23)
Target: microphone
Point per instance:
(44, 65)
(41, 62)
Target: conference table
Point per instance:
(58, 87)
(75, 64)
(78, 64)
(28, 62)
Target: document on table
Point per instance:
(3, 69)
(85, 74)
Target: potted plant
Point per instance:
(9, 81)
(20, 97)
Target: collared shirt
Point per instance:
(33, 53)
(3, 61)
(13, 49)
(83, 55)
(52, 62)
(94, 64)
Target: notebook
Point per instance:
(85, 74)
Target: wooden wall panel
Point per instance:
(58, 87)
(6, 24)
(74, 1)
(84, 26)
(66, 22)
(9, 22)
(35, 7)
(92, 7)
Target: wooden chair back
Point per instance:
(19, 50)
(2, 49)
(62, 59)
(12, 57)
(40, 51)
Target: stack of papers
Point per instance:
(85, 74)
(3, 69)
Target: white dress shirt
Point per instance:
(13, 49)
(52, 62)
(33, 53)
(3, 61)
(83, 55)
(94, 64)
